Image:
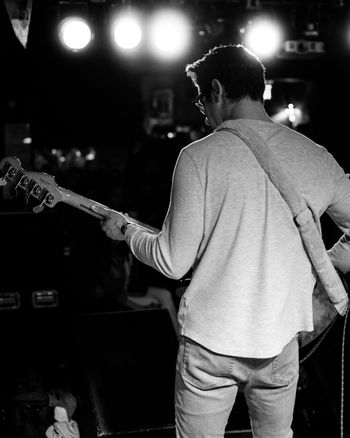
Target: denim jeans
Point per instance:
(207, 384)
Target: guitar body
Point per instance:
(324, 313)
(44, 189)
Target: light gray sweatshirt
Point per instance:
(252, 280)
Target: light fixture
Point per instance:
(291, 115)
(169, 34)
(126, 29)
(74, 29)
(268, 91)
(75, 33)
(263, 37)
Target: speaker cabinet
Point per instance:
(128, 359)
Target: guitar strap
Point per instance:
(302, 215)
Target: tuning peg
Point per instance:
(38, 208)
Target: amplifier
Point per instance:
(128, 362)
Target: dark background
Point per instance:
(103, 100)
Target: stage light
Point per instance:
(170, 34)
(91, 154)
(268, 91)
(27, 140)
(291, 115)
(263, 37)
(127, 31)
(75, 33)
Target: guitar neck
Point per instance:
(86, 204)
(80, 202)
(42, 187)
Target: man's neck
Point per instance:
(247, 109)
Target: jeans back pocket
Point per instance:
(203, 368)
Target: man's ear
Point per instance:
(217, 89)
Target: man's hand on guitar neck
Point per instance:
(113, 223)
(3, 182)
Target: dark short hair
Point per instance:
(240, 72)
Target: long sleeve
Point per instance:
(340, 254)
(173, 250)
(339, 211)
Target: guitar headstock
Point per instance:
(37, 185)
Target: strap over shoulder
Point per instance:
(302, 215)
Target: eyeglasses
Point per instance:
(198, 101)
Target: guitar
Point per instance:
(43, 188)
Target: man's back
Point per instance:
(252, 284)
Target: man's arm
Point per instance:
(340, 254)
(174, 250)
(339, 211)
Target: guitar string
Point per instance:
(343, 377)
(342, 380)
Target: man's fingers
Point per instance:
(107, 212)
(3, 182)
(102, 211)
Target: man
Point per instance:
(251, 289)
